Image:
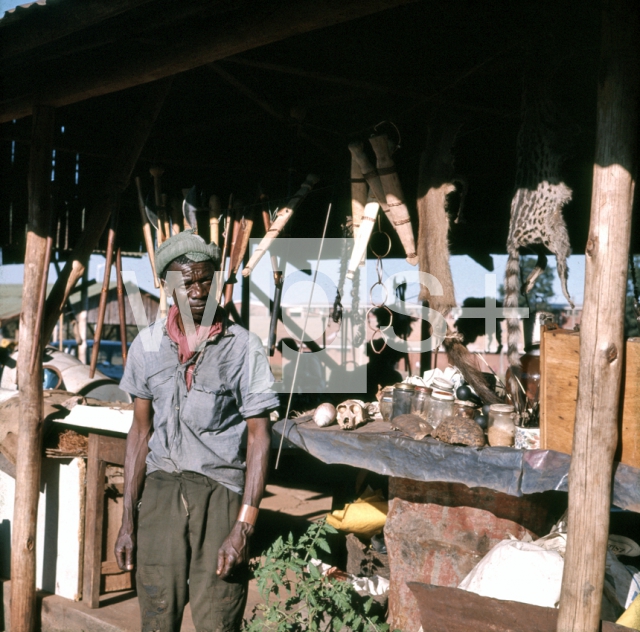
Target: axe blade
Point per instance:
(150, 209)
(189, 208)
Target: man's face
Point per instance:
(197, 285)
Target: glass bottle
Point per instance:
(501, 426)
(402, 396)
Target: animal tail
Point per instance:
(511, 295)
(459, 356)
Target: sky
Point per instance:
(468, 276)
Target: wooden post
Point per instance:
(601, 331)
(133, 141)
(104, 293)
(28, 461)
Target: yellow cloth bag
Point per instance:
(365, 516)
(631, 616)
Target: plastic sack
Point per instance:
(631, 616)
(365, 516)
(518, 571)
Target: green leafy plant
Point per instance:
(298, 597)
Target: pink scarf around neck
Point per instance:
(176, 334)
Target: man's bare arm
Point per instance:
(235, 549)
(134, 472)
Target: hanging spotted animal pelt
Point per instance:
(536, 208)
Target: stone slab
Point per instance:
(437, 545)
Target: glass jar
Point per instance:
(386, 403)
(419, 403)
(402, 396)
(501, 426)
(440, 384)
(440, 406)
(464, 409)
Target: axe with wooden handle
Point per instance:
(189, 209)
(238, 250)
(278, 279)
(157, 172)
(176, 217)
(122, 313)
(226, 238)
(283, 216)
(104, 293)
(146, 231)
(214, 220)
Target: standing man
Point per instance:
(197, 396)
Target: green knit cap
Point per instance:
(188, 244)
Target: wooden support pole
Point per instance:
(133, 141)
(602, 327)
(28, 459)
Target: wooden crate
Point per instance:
(559, 363)
(455, 610)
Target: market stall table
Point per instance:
(450, 504)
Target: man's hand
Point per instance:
(235, 549)
(125, 546)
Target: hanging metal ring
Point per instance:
(381, 232)
(386, 294)
(373, 339)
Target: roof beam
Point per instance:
(128, 64)
(46, 24)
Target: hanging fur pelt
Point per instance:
(536, 209)
(437, 181)
(434, 186)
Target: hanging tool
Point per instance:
(214, 220)
(146, 231)
(122, 314)
(225, 245)
(282, 217)
(278, 280)
(240, 243)
(190, 208)
(163, 234)
(176, 216)
(104, 293)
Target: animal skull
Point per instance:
(351, 414)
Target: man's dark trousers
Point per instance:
(184, 518)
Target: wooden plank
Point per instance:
(127, 64)
(29, 459)
(454, 610)
(602, 347)
(111, 449)
(113, 579)
(559, 364)
(94, 519)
